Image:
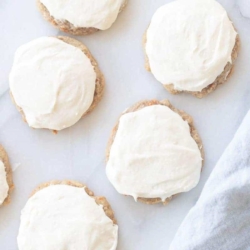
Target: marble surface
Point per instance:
(79, 152)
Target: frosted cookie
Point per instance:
(54, 82)
(154, 153)
(6, 182)
(191, 46)
(67, 215)
(81, 17)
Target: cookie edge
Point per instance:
(100, 200)
(185, 117)
(66, 26)
(9, 177)
(99, 84)
(222, 78)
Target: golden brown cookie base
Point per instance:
(5, 159)
(98, 199)
(185, 117)
(99, 84)
(222, 78)
(66, 26)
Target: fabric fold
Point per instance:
(220, 220)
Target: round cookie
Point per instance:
(114, 173)
(191, 46)
(80, 19)
(67, 215)
(78, 82)
(6, 183)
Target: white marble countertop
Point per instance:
(78, 152)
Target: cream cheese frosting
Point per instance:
(4, 187)
(189, 42)
(100, 14)
(153, 154)
(63, 217)
(52, 82)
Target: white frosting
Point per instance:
(53, 82)
(4, 187)
(63, 217)
(153, 154)
(189, 42)
(100, 14)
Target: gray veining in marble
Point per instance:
(244, 6)
(78, 152)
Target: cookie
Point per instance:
(191, 46)
(54, 82)
(83, 17)
(6, 183)
(141, 146)
(67, 215)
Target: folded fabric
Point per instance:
(220, 220)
